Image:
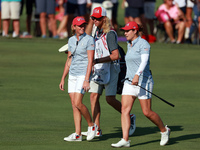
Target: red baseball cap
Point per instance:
(131, 26)
(78, 21)
(98, 12)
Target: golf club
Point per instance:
(151, 93)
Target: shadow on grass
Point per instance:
(173, 141)
(140, 131)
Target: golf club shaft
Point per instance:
(153, 94)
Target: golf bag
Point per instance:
(122, 73)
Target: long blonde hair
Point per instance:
(73, 30)
(106, 25)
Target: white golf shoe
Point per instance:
(73, 137)
(92, 132)
(121, 143)
(165, 136)
(98, 133)
(133, 124)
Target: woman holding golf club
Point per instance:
(79, 66)
(138, 73)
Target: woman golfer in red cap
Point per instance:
(138, 72)
(79, 66)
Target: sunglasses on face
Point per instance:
(98, 19)
(129, 30)
(81, 26)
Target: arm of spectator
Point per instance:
(89, 3)
(123, 4)
(61, 2)
(181, 16)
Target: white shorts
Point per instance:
(75, 84)
(149, 8)
(190, 4)
(108, 11)
(136, 91)
(10, 10)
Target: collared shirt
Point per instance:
(133, 59)
(79, 51)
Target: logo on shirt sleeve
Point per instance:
(146, 49)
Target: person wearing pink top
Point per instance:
(174, 17)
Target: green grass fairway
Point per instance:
(36, 115)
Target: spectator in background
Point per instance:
(11, 10)
(44, 8)
(0, 17)
(77, 7)
(114, 14)
(181, 4)
(29, 10)
(89, 6)
(149, 8)
(195, 24)
(60, 8)
(189, 10)
(173, 17)
(198, 5)
(62, 28)
(135, 12)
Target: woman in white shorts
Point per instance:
(79, 66)
(138, 73)
(10, 10)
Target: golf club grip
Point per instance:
(157, 96)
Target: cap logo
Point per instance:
(96, 11)
(79, 19)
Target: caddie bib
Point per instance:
(101, 74)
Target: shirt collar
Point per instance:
(134, 41)
(81, 36)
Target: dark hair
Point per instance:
(140, 29)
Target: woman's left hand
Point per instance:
(135, 80)
(86, 86)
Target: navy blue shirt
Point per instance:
(97, 1)
(135, 3)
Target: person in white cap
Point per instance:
(106, 68)
(79, 66)
(138, 73)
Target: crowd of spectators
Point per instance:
(176, 15)
(53, 18)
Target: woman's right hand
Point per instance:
(61, 85)
(135, 80)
